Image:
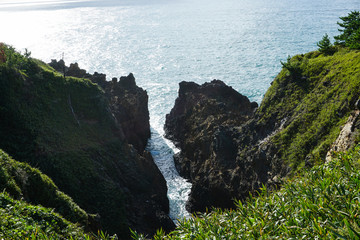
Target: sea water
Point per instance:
(164, 42)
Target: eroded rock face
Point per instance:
(204, 124)
(128, 102)
(347, 136)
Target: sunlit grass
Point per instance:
(322, 203)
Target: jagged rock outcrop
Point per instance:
(229, 151)
(128, 102)
(69, 129)
(201, 124)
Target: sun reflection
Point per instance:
(21, 3)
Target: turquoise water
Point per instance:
(164, 42)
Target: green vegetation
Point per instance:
(63, 127)
(322, 203)
(25, 219)
(350, 31)
(325, 45)
(22, 181)
(312, 104)
(20, 220)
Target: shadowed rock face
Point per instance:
(128, 102)
(203, 124)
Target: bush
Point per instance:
(293, 65)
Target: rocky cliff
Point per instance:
(128, 102)
(198, 124)
(228, 149)
(78, 132)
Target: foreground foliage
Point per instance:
(22, 181)
(322, 203)
(20, 220)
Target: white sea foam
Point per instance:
(178, 188)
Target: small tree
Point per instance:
(293, 65)
(350, 34)
(325, 45)
(27, 53)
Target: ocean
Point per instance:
(164, 42)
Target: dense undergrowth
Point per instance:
(322, 203)
(22, 181)
(20, 220)
(25, 192)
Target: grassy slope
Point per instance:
(22, 181)
(315, 101)
(64, 127)
(27, 218)
(20, 220)
(321, 203)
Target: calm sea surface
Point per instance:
(164, 42)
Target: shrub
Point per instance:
(325, 45)
(292, 65)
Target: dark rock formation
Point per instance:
(202, 123)
(129, 104)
